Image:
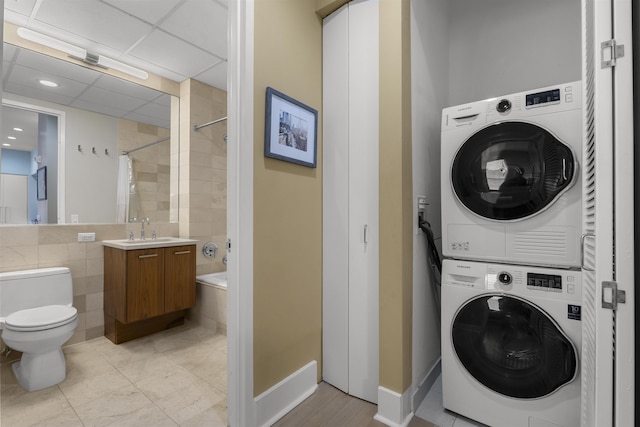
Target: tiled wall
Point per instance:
(151, 168)
(39, 246)
(210, 310)
(205, 171)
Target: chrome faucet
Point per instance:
(142, 230)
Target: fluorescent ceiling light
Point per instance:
(81, 54)
(65, 47)
(117, 65)
(11, 137)
(18, 129)
(6, 144)
(48, 83)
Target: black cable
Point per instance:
(433, 259)
(433, 251)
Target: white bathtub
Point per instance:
(210, 310)
(218, 280)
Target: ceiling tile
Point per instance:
(56, 67)
(96, 95)
(149, 10)
(22, 7)
(215, 76)
(202, 23)
(28, 77)
(93, 20)
(36, 93)
(168, 52)
(127, 88)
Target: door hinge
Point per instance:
(612, 296)
(616, 51)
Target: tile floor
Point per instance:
(173, 378)
(176, 377)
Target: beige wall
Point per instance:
(396, 204)
(287, 199)
(203, 171)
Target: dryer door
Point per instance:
(513, 347)
(511, 171)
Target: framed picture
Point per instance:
(42, 183)
(291, 130)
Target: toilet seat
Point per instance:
(41, 318)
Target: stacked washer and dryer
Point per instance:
(511, 283)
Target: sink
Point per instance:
(127, 244)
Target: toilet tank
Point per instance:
(34, 288)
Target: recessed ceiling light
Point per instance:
(18, 129)
(48, 83)
(6, 144)
(11, 137)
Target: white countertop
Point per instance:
(160, 242)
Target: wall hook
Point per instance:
(106, 151)
(80, 148)
(93, 150)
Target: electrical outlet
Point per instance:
(86, 237)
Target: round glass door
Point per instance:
(513, 347)
(511, 171)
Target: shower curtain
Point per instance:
(124, 181)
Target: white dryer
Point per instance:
(511, 339)
(510, 178)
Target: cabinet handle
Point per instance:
(147, 256)
(182, 252)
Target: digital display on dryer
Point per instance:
(535, 99)
(545, 281)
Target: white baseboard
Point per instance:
(394, 409)
(423, 388)
(276, 402)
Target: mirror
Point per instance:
(78, 131)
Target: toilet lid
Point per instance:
(41, 318)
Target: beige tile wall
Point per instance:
(39, 246)
(205, 172)
(151, 168)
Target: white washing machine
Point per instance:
(511, 339)
(510, 178)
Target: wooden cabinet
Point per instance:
(147, 290)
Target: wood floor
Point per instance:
(328, 406)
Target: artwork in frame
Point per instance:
(291, 130)
(41, 179)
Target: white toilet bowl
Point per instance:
(37, 318)
(39, 334)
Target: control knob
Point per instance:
(503, 106)
(505, 278)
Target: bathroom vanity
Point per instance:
(148, 285)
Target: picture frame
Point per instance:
(291, 130)
(41, 186)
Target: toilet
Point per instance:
(36, 318)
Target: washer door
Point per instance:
(513, 347)
(511, 171)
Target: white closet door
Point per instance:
(350, 199)
(608, 340)
(335, 200)
(13, 199)
(364, 199)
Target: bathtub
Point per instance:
(218, 280)
(210, 310)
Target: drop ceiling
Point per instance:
(176, 39)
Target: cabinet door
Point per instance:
(145, 284)
(180, 278)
